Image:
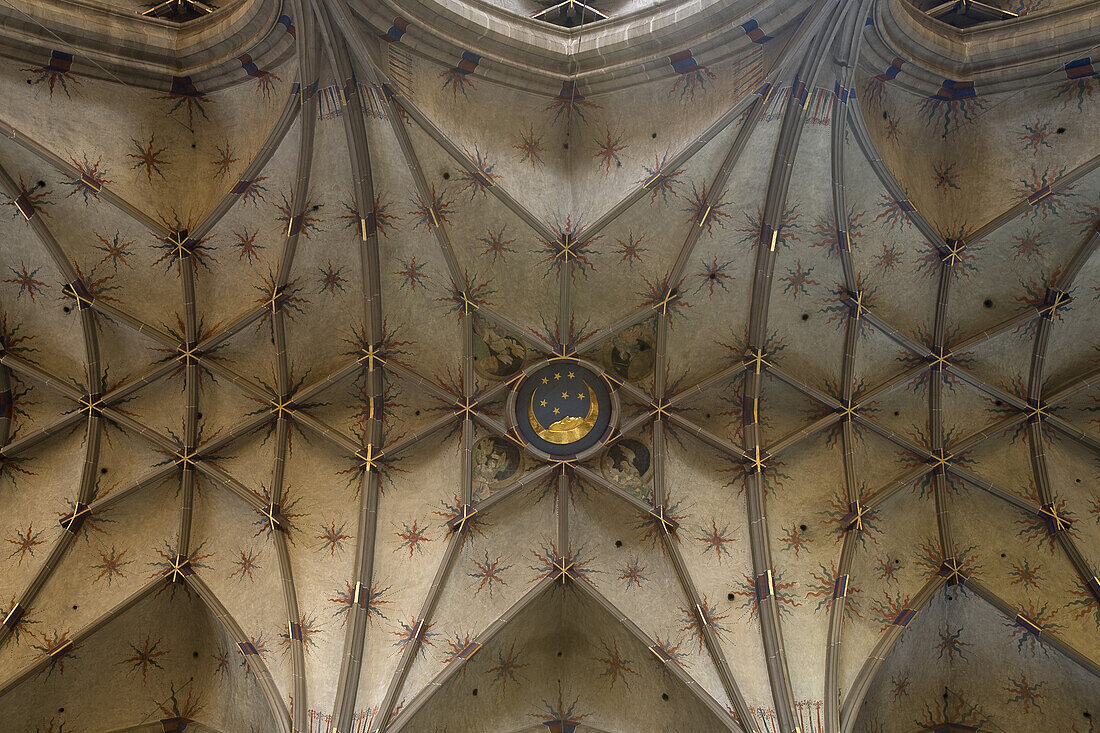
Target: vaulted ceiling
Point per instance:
(270, 277)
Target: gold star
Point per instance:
(545, 380)
(542, 403)
(557, 375)
(556, 411)
(580, 395)
(571, 375)
(564, 395)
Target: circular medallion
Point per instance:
(628, 464)
(496, 355)
(496, 463)
(563, 408)
(631, 354)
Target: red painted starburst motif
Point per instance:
(951, 644)
(148, 157)
(632, 574)
(489, 573)
(26, 280)
(115, 250)
(111, 564)
(608, 149)
(145, 657)
(331, 279)
(794, 539)
(247, 562)
(495, 244)
(632, 249)
(25, 542)
(530, 145)
(616, 666)
(713, 274)
(412, 538)
(715, 540)
(507, 668)
(225, 160)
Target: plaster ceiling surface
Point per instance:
(258, 344)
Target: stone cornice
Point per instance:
(999, 56)
(602, 56)
(114, 43)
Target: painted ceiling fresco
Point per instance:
(366, 393)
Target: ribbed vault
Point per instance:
(848, 315)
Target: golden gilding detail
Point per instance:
(568, 429)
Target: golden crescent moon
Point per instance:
(568, 429)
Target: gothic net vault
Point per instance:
(415, 365)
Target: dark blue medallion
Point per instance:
(563, 408)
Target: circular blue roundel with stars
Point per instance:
(563, 407)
